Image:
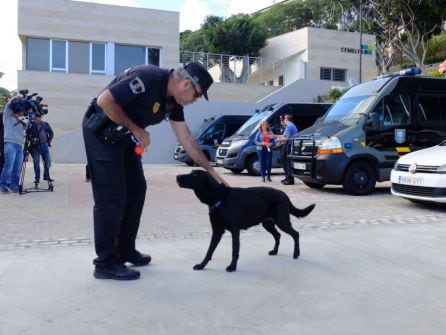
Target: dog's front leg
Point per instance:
(215, 239)
(235, 250)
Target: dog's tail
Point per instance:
(300, 213)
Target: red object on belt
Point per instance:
(265, 137)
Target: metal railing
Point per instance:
(238, 69)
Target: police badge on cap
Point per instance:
(200, 76)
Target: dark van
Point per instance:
(359, 140)
(238, 152)
(210, 134)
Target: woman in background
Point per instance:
(264, 141)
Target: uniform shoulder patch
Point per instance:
(137, 86)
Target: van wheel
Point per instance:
(360, 179)
(236, 171)
(253, 166)
(313, 185)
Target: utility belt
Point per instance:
(104, 128)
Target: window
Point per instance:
(128, 56)
(98, 58)
(332, 74)
(432, 111)
(37, 54)
(153, 56)
(85, 57)
(79, 57)
(58, 56)
(394, 111)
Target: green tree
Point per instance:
(239, 35)
(4, 93)
(283, 18)
(408, 25)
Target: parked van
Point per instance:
(359, 140)
(210, 134)
(239, 152)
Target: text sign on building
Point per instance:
(366, 49)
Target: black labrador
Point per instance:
(235, 208)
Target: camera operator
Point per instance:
(14, 129)
(40, 135)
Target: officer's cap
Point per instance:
(200, 76)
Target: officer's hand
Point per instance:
(143, 137)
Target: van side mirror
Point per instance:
(373, 122)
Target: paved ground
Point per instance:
(369, 265)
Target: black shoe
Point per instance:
(284, 180)
(136, 258)
(263, 179)
(115, 271)
(269, 179)
(49, 179)
(289, 182)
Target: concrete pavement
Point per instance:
(369, 265)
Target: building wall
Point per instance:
(68, 94)
(325, 50)
(319, 48)
(284, 46)
(84, 21)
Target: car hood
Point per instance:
(233, 138)
(320, 130)
(433, 156)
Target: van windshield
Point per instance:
(206, 123)
(253, 122)
(348, 110)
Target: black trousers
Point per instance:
(286, 162)
(119, 189)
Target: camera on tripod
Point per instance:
(30, 104)
(31, 107)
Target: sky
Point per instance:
(192, 14)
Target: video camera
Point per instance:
(30, 104)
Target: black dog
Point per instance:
(234, 209)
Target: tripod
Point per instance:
(30, 141)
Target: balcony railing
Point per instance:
(240, 69)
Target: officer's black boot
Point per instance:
(117, 271)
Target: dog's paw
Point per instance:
(231, 268)
(198, 267)
(296, 256)
(272, 253)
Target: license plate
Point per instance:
(299, 166)
(220, 161)
(411, 180)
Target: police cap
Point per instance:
(200, 76)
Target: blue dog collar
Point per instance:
(215, 206)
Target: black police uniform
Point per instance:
(117, 177)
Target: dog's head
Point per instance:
(206, 188)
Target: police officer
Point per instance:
(289, 131)
(141, 96)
